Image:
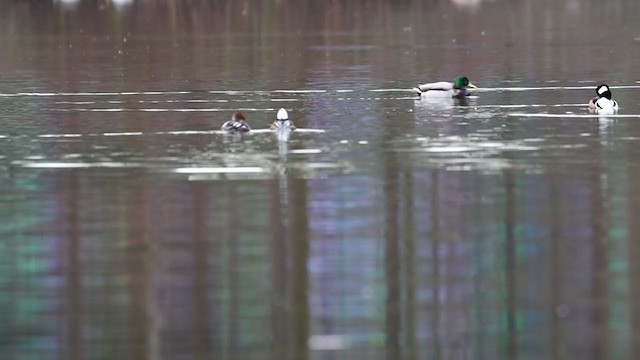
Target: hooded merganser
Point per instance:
(603, 102)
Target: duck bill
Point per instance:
(471, 86)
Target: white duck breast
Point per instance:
(604, 104)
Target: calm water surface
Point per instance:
(502, 228)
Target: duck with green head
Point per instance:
(457, 89)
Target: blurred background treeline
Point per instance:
(287, 38)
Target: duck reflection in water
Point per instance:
(445, 102)
(605, 123)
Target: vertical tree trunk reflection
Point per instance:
(409, 262)
(599, 256)
(299, 245)
(142, 313)
(435, 268)
(278, 276)
(233, 268)
(391, 259)
(510, 263)
(633, 244)
(74, 269)
(201, 316)
(557, 273)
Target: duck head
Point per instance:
(237, 117)
(603, 91)
(462, 82)
(282, 114)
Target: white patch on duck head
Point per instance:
(282, 114)
(602, 89)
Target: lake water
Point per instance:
(395, 228)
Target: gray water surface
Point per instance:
(503, 227)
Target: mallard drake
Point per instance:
(282, 121)
(237, 124)
(457, 89)
(603, 103)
